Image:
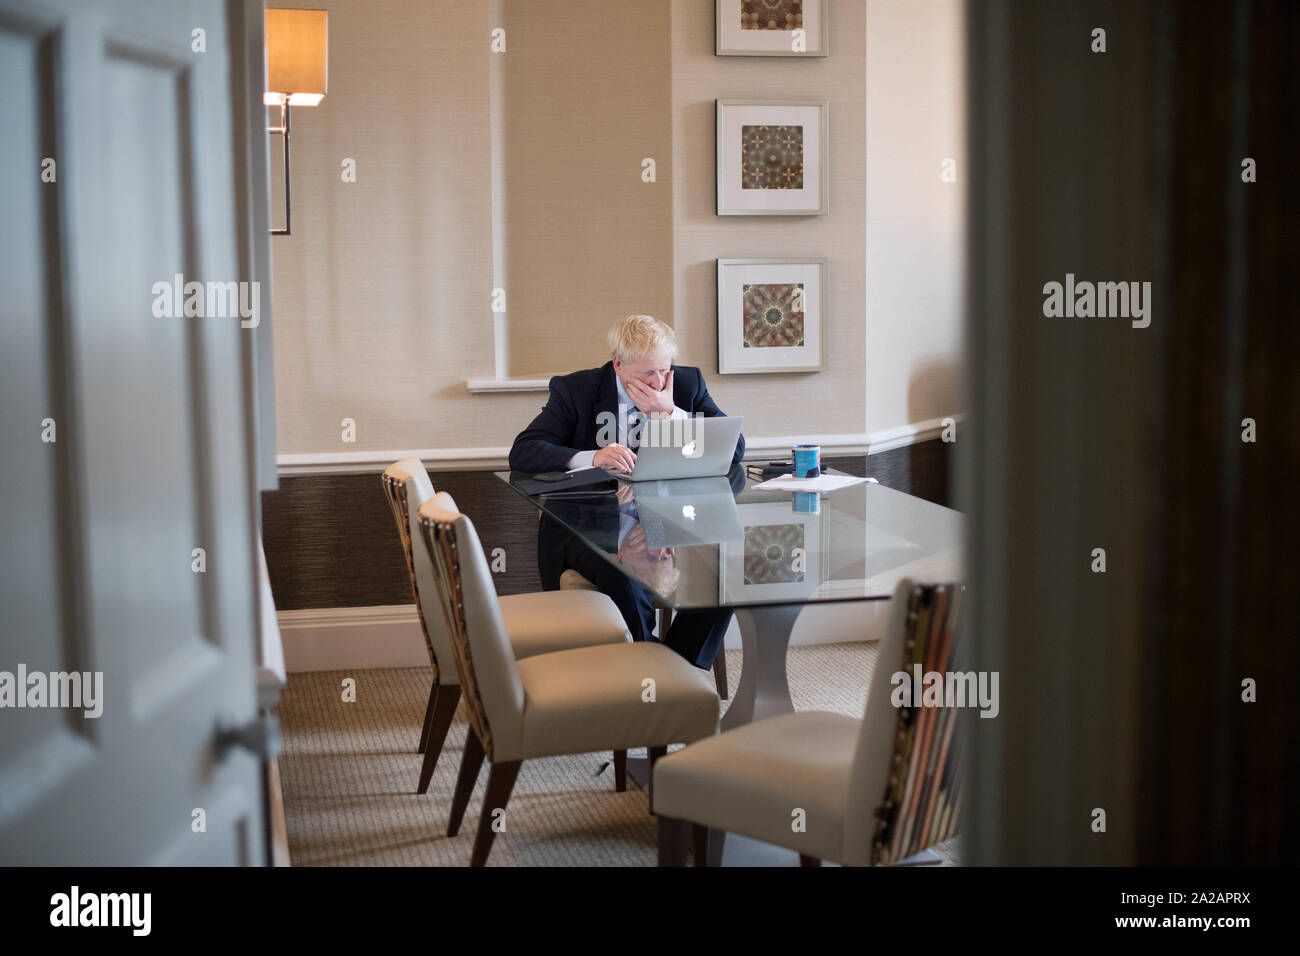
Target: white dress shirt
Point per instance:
(626, 408)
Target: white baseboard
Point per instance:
(353, 638)
(346, 638)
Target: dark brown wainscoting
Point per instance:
(330, 539)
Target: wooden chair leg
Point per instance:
(720, 672)
(672, 842)
(470, 764)
(655, 753)
(620, 771)
(501, 781)
(444, 709)
(428, 717)
(805, 860)
(700, 839)
(717, 843)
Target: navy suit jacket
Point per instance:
(569, 421)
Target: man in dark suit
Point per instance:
(593, 417)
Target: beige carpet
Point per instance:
(349, 770)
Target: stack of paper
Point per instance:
(820, 484)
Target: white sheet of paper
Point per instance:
(820, 484)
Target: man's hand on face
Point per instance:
(633, 544)
(615, 457)
(656, 566)
(655, 404)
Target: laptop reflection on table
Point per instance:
(687, 511)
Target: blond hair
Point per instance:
(640, 335)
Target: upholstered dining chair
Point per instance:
(571, 580)
(608, 697)
(874, 790)
(537, 623)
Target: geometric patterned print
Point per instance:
(771, 14)
(773, 315)
(440, 539)
(923, 794)
(771, 157)
(395, 491)
(770, 554)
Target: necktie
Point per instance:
(633, 436)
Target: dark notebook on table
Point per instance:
(585, 479)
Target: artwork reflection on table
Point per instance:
(778, 559)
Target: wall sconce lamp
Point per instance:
(297, 61)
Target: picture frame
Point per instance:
(772, 315)
(766, 28)
(772, 157)
(759, 568)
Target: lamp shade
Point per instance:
(297, 56)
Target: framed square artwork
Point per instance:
(772, 158)
(771, 315)
(771, 28)
(778, 558)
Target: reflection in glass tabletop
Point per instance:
(720, 542)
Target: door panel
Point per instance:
(154, 453)
(147, 158)
(40, 747)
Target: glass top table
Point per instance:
(723, 543)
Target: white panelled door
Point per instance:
(127, 507)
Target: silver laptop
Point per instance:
(688, 511)
(685, 448)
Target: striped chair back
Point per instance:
(485, 661)
(407, 487)
(906, 796)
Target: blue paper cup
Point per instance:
(807, 461)
(807, 502)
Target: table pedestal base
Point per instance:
(764, 690)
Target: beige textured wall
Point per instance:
(915, 222)
(832, 401)
(382, 294)
(587, 96)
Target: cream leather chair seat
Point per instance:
(577, 701)
(547, 621)
(750, 779)
(571, 580)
